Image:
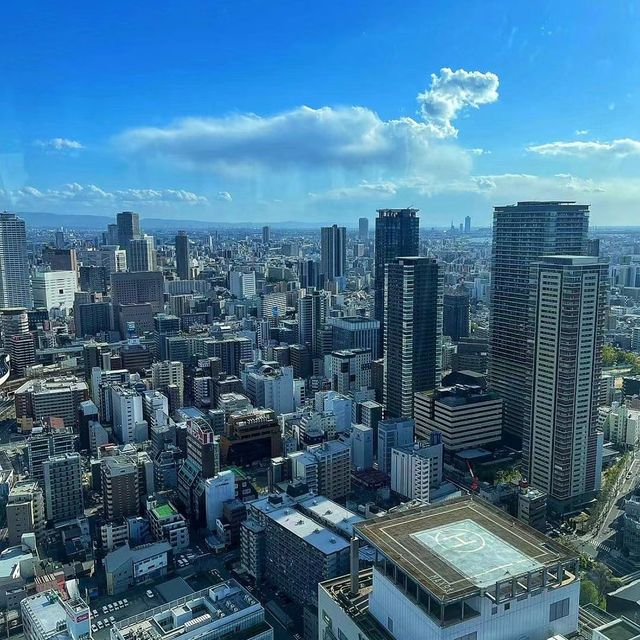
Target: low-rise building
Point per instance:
(52, 615)
(167, 524)
(220, 612)
(128, 566)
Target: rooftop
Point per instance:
(332, 513)
(164, 511)
(10, 560)
(460, 547)
(193, 615)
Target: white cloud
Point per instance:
(225, 196)
(450, 93)
(582, 132)
(583, 149)
(92, 195)
(350, 138)
(59, 144)
(364, 190)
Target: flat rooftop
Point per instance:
(164, 510)
(455, 549)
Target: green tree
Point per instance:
(589, 593)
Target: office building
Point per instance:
(333, 252)
(231, 350)
(91, 315)
(182, 255)
(356, 332)
(128, 420)
(141, 254)
(312, 314)
(94, 279)
(325, 468)
(13, 322)
(269, 385)
(22, 352)
(55, 615)
(396, 235)
(45, 442)
(467, 224)
(127, 567)
(219, 489)
(128, 225)
(468, 417)
(25, 511)
(348, 370)
(522, 233)
(15, 290)
(569, 300)
(362, 446)
(363, 229)
(251, 435)
(63, 487)
(137, 288)
(223, 611)
(455, 315)
(54, 290)
(168, 374)
(416, 470)
(242, 284)
(166, 524)
(266, 235)
(462, 570)
(47, 398)
(393, 433)
(60, 259)
(413, 331)
(164, 326)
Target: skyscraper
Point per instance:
(333, 256)
(522, 233)
(467, 224)
(363, 229)
(312, 312)
(141, 254)
(455, 315)
(266, 235)
(128, 227)
(182, 255)
(413, 331)
(567, 315)
(14, 265)
(396, 235)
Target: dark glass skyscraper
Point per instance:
(413, 331)
(333, 252)
(363, 229)
(396, 235)
(128, 227)
(522, 233)
(455, 315)
(182, 255)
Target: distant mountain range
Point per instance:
(44, 220)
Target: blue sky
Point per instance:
(274, 111)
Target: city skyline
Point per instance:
(231, 128)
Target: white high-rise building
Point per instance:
(269, 385)
(416, 470)
(129, 424)
(242, 284)
(348, 369)
(54, 290)
(568, 301)
(15, 290)
(218, 490)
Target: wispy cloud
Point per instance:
(59, 144)
(583, 149)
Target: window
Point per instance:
(341, 635)
(507, 606)
(469, 636)
(559, 610)
(390, 624)
(494, 610)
